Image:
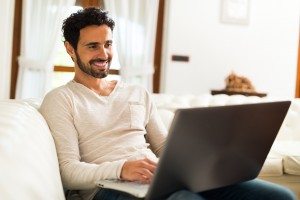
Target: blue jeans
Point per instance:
(250, 190)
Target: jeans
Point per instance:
(249, 190)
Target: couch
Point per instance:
(28, 162)
(29, 168)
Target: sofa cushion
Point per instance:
(28, 162)
(292, 165)
(290, 130)
(273, 166)
(290, 152)
(166, 117)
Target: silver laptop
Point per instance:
(211, 147)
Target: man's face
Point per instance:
(94, 50)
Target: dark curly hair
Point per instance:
(86, 17)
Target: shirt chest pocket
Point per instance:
(137, 115)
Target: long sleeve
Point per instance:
(156, 130)
(57, 109)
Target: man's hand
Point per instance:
(138, 170)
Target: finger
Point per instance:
(147, 173)
(146, 165)
(144, 179)
(150, 161)
(140, 178)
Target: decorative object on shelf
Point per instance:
(238, 85)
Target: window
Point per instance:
(64, 66)
(62, 72)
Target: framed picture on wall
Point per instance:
(235, 11)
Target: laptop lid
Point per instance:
(213, 147)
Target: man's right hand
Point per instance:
(138, 170)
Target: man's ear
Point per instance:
(70, 50)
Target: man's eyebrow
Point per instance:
(97, 43)
(92, 43)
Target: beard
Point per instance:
(88, 68)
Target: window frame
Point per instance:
(16, 47)
(61, 68)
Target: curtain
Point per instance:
(41, 25)
(135, 34)
(6, 24)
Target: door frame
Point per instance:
(297, 93)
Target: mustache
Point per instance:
(99, 60)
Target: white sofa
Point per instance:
(28, 162)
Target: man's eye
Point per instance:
(93, 46)
(109, 44)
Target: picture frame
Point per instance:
(235, 11)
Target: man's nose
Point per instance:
(103, 52)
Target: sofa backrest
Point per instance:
(167, 104)
(28, 161)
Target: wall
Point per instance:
(6, 24)
(265, 50)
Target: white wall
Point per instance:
(6, 24)
(265, 50)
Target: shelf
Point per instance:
(214, 92)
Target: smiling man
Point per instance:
(111, 130)
(102, 129)
(92, 55)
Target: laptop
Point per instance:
(211, 147)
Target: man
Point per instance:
(110, 130)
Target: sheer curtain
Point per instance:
(6, 24)
(41, 25)
(135, 33)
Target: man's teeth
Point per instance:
(102, 63)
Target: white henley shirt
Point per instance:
(94, 135)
